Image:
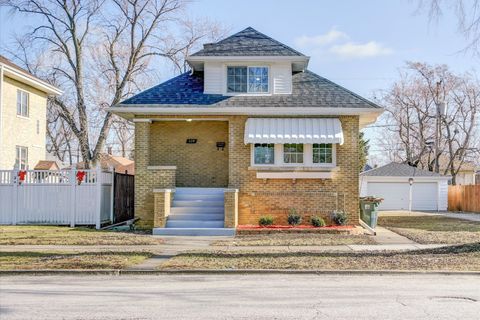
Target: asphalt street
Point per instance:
(236, 296)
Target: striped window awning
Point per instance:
(293, 130)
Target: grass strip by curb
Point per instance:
(116, 272)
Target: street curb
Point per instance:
(116, 272)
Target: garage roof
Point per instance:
(399, 170)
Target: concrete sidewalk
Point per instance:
(165, 250)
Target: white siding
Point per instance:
(442, 195)
(282, 78)
(213, 78)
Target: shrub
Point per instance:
(339, 217)
(318, 222)
(294, 218)
(265, 221)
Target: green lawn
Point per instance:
(460, 258)
(52, 235)
(294, 239)
(427, 229)
(69, 260)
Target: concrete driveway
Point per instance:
(471, 216)
(234, 296)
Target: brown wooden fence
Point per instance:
(464, 198)
(123, 197)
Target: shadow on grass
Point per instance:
(447, 250)
(33, 254)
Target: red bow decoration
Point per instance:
(80, 176)
(21, 175)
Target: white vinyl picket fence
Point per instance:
(56, 198)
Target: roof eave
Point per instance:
(196, 62)
(30, 80)
(367, 115)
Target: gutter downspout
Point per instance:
(1, 106)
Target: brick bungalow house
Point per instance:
(249, 131)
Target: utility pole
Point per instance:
(436, 167)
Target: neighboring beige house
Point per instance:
(248, 132)
(119, 164)
(46, 165)
(23, 112)
(466, 174)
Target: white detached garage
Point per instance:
(405, 188)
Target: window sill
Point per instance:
(23, 117)
(162, 168)
(293, 169)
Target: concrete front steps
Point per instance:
(196, 212)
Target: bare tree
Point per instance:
(71, 30)
(468, 16)
(99, 52)
(411, 115)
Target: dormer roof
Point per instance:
(248, 42)
(248, 45)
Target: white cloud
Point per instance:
(321, 40)
(366, 50)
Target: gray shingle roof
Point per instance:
(309, 90)
(399, 170)
(248, 42)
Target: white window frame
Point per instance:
(18, 157)
(295, 164)
(263, 164)
(225, 82)
(24, 110)
(333, 155)
(307, 157)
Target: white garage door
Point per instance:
(395, 195)
(424, 196)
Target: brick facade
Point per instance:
(199, 164)
(256, 197)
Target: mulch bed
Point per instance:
(255, 229)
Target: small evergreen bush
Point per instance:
(294, 219)
(265, 221)
(339, 217)
(318, 222)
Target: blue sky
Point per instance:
(358, 44)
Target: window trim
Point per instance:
(307, 158)
(18, 150)
(225, 82)
(298, 164)
(27, 114)
(252, 156)
(333, 155)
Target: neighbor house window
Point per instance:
(247, 79)
(264, 153)
(22, 103)
(322, 153)
(21, 159)
(293, 153)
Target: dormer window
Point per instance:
(243, 79)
